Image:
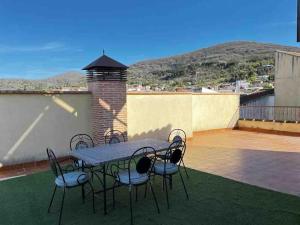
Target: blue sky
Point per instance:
(43, 38)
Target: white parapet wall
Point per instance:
(31, 122)
(156, 114)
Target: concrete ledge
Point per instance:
(42, 92)
(176, 93)
(292, 129)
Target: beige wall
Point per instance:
(30, 123)
(215, 111)
(266, 125)
(287, 79)
(156, 115)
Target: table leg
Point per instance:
(104, 188)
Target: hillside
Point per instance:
(213, 65)
(208, 66)
(68, 79)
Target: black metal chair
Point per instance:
(171, 166)
(176, 135)
(66, 180)
(82, 141)
(113, 137)
(136, 174)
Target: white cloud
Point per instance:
(51, 46)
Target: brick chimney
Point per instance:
(107, 82)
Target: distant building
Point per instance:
(287, 79)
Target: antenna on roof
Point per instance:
(103, 52)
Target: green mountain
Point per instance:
(217, 64)
(67, 79)
(208, 66)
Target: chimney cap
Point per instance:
(105, 62)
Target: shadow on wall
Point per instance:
(162, 133)
(234, 119)
(44, 121)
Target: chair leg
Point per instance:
(92, 172)
(187, 196)
(82, 193)
(152, 190)
(93, 196)
(53, 194)
(130, 201)
(187, 175)
(146, 189)
(61, 207)
(136, 193)
(114, 200)
(166, 187)
(170, 182)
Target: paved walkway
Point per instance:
(265, 160)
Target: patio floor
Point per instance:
(265, 160)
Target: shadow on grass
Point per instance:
(213, 200)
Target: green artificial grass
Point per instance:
(213, 201)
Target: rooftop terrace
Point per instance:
(263, 160)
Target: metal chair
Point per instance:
(67, 180)
(136, 174)
(82, 141)
(113, 137)
(176, 135)
(171, 166)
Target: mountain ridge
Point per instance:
(211, 65)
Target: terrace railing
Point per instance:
(270, 113)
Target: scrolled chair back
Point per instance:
(142, 160)
(81, 141)
(177, 135)
(54, 164)
(113, 137)
(175, 152)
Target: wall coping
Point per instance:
(88, 92)
(289, 53)
(178, 93)
(42, 92)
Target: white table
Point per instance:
(104, 154)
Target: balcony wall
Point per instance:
(156, 114)
(31, 122)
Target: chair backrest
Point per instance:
(80, 141)
(177, 135)
(113, 137)
(175, 152)
(54, 164)
(142, 160)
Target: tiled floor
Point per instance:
(265, 160)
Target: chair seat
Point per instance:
(159, 168)
(135, 177)
(72, 179)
